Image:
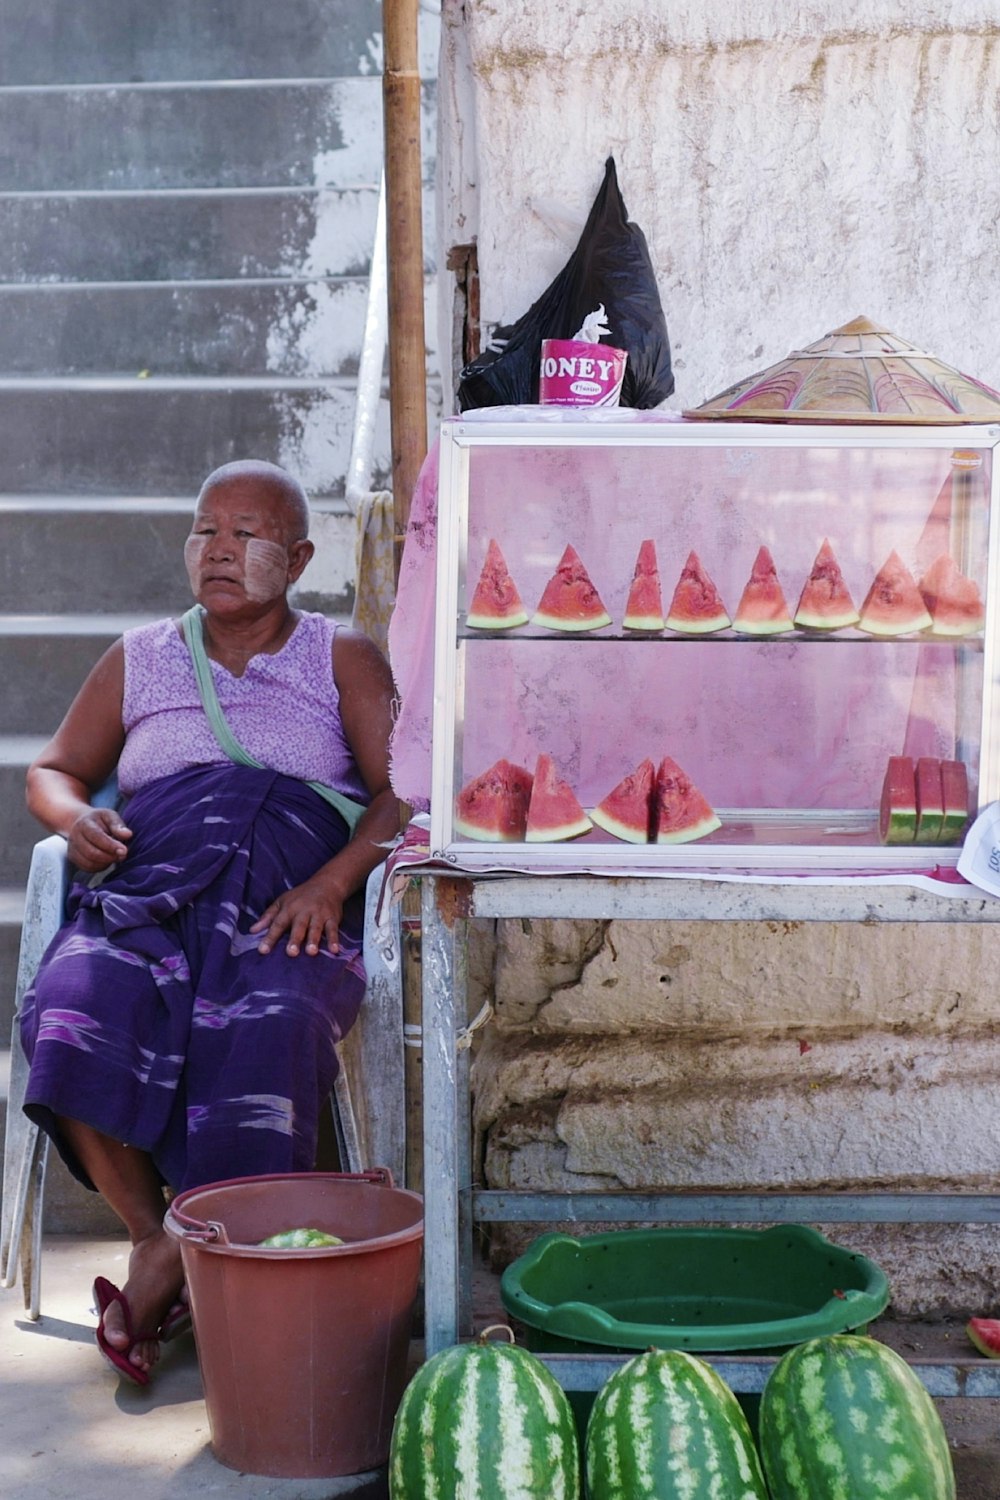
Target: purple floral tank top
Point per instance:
(284, 710)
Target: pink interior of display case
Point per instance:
(799, 721)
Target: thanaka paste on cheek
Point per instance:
(266, 572)
(194, 551)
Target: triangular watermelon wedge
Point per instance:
(493, 807)
(763, 609)
(955, 800)
(897, 822)
(893, 605)
(554, 811)
(680, 812)
(644, 610)
(496, 603)
(625, 811)
(696, 608)
(930, 800)
(570, 600)
(952, 599)
(825, 602)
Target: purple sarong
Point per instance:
(153, 1017)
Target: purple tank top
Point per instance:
(284, 710)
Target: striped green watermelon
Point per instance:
(845, 1418)
(665, 1426)
(484, 1421)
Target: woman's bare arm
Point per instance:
(312, 911)
(78, 759)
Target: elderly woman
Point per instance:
(182, 1026)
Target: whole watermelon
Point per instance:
(665, 1426)
(844, 1417)
(484, 1421)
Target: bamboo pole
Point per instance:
(404, 232)
(407, 403)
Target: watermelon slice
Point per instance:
(680, 812)
(762, 609)
(985, 1334)
(554, 812)
(644, 610)
(954, 800)
(893, 605)
(625, 810)
(494, 806)
(897, 823)
(953, 600)
(696, 608)
(496, 604)
(930, 801)
(825, 602)
(570, 600)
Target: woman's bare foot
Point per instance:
(155, 1278)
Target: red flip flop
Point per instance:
(106, 1293)
(176, 1322)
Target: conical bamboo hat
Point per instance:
(858, 373)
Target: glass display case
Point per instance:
(694, 645)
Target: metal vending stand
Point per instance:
(453, 1205)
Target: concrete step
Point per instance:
(94, 552)
(11, 916)
(128, 552)
(43, 661)
(186, 236)
(163, 435)
(19, 831)
(130, 40)
(269, 133)
(298, 328)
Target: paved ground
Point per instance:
(71, 1430)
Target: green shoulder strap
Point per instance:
(349, 810)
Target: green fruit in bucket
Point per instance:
(299, 1239)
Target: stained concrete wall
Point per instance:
(789, 174)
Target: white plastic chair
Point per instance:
(371, 1070)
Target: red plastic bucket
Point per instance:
(303, 1353)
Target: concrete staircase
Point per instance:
(187, 208)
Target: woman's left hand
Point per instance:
(308, 913)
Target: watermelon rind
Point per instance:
(893, 605)
(952, 599)
(496, 603)
(484, 1421)
(897, 822)
(763, 608)
(570, 602)
(825, 602)
(984, 1333)
(681, 813)
(696, 607)
(667, 1427)
(554, 811)
(644, 610)
(843, 1418)
(930, 800)
(493, 807)
(624, 812)
(955, 801)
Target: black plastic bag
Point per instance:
(610, 266)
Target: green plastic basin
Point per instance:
(703, 1288)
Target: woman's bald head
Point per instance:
(266, 482)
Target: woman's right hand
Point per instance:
(96, 839)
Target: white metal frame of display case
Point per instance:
(460, 435)
(449, 901)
